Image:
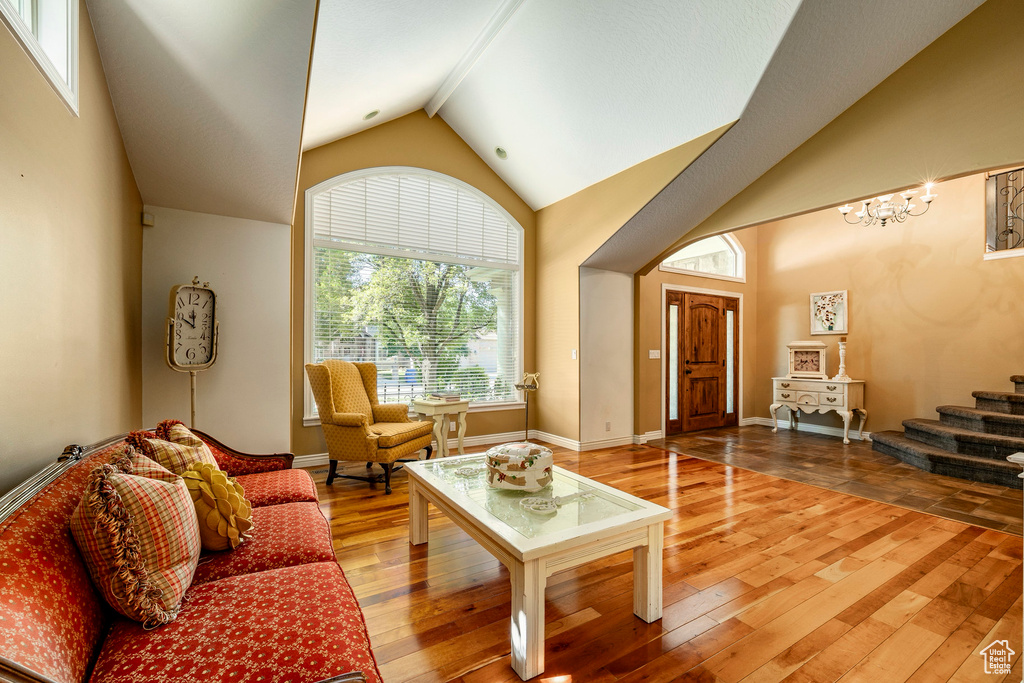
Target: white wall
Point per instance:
(606, 357)
(243, 399)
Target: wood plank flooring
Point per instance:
(765, 580)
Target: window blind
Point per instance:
(419, 215)
(421, 278)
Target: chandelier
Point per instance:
(887, 208)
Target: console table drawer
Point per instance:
(797, 385)
(807, 398)
(837, 400)
(785, 396)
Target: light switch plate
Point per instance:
(574, 354)
(654, 354)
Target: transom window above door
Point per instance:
(418, 273)
(720, 257)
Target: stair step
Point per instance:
(932, 459)
(1018, 383)
(999, 402)
(984, 421)
(963, 441)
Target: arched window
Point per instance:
(720, 256)
(418, 273)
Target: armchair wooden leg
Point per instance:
(334, 471)
(430, 450)
(387, 477)
(369, 465)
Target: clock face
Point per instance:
(193, 326)
(807, 361)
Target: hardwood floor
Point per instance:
(766, 579)
(855, 468)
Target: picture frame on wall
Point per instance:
(830, 312)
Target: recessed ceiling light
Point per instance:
(500, 151)
(371, 114)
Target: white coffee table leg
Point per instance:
(647, 575)
(527, 618)
(439, 436)
(418, 530)
(462, 431)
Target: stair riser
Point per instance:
(982, 426)
(950, 470)
(999, 406)
(965, 447)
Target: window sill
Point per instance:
(697, 273)
(314, 420)
(1006, 253)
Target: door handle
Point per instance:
(688, 371)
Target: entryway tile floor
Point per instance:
(855, 469)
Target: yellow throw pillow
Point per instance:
(225, 516)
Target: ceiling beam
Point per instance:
(469, 59)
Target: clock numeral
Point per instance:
(190, 354)
(193, 298)
(181, 301)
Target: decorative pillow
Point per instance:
(140, 539)
(173, 446)
(225, 516)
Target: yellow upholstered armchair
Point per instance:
(356, 426)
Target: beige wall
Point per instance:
(930, 320)
(649, 333)
(568, 232)
(69, 265)
(951, 110)
(413, 140)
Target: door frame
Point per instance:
(667, 287)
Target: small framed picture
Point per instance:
(830, 313)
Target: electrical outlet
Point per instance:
(654, 354)
(451, 426)
(607, 426)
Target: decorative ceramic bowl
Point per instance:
(519, 467)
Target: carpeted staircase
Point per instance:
(970, 443)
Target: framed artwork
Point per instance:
(830, 313)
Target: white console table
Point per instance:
(819, 396)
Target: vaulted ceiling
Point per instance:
(212, 98)
(573, 91)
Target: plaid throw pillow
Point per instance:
(173, 446)
(139, 537)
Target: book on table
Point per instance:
(447, 397)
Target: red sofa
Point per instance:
(276, 609)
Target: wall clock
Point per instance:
(807, 359)
(192, 331)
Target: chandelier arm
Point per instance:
(926, 207)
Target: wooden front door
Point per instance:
(702, 341)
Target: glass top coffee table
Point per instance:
(593, 521)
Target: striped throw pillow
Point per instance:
(139, 537)
(173, 446)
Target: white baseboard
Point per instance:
(606, 443)
(805, 427)
(312, 460)
(555, 439)
(641, 439)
